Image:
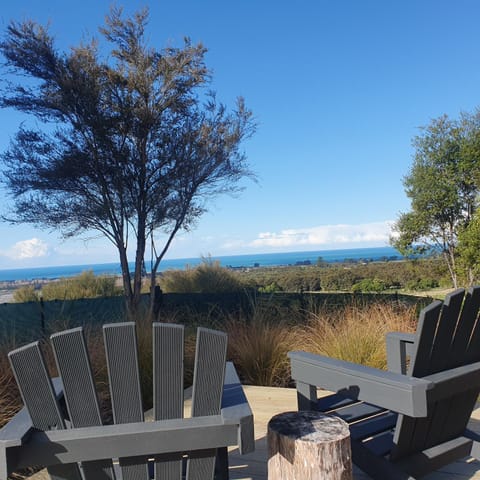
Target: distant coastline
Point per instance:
(20, 275)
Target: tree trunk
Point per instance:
(450, 259)
(139, 261)
(153, 284)
(156, 264)
(308, 446)
(126, 279)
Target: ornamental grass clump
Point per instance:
(259, 350)
(10, 401)
(356, 333)
(258, 344)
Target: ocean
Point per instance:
(233, 261)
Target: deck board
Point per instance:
(267, 402)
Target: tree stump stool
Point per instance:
(308, 446)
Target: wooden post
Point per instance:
(308, 446)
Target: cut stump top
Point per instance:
(309, 426)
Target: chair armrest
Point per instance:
(399, 346)
(402, 394)
(13, 434)
(18, 429)
(236, 410)
(164, 439)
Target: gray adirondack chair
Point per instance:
(405, 423)
(60, 426)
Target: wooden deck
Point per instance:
(267, 402)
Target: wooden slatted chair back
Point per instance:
(81, 402)
(448, 336)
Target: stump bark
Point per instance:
(308, 446)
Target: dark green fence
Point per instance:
(24, 322)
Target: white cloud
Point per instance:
(33, 248)
(375, 233)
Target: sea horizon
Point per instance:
(254, 260)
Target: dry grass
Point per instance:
(259, 351)
(258, 345)
(10, 402)
(357, 333)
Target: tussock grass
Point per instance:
(259, 345)
(356, 333)
(259, 350)
(10, 402)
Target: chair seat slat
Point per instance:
(373, 426)
(357, 411)
(332, 402)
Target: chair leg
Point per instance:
(221, 464)
(306, 396)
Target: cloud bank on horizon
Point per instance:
(34, 250)
(376, 232)
(322, 236)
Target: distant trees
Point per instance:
(421, 274)
(443, 186)
(127, 146)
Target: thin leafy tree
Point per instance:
(443, 188)
(131, 144)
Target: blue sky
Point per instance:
(338, 88)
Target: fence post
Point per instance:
(42, 315)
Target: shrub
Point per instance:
(177, 281)
(422, 284)
(369, 285)
(338, 278)
(25, 294)
(208, 277)
(85, 285)
(300, 279)
(270, 288)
